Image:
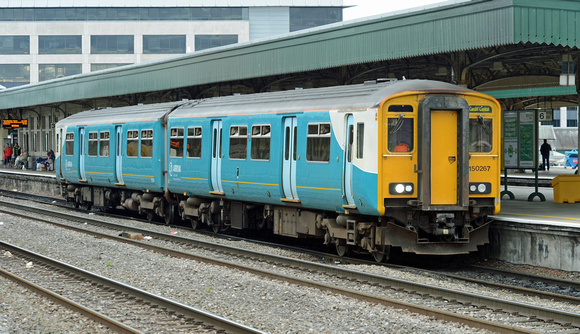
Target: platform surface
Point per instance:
(536, 211)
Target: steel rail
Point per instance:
(475, 299)
(72, 305)
(200, 315)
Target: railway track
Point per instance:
(473, 309)
(118, 306)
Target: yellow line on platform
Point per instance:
(540, 216)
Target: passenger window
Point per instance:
(176, 143)
(318, 142)
(146, 143)
(70, 144)
(132, 143)
(260, 142)
(104, 144)
(400, 135)
(93, 144)
(480, 134)
(194, 142)
(238, 142)
(360, 140)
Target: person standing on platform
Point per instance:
(545, 151)
(7, 155)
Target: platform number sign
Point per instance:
(545, 115)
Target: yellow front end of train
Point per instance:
(439, 169)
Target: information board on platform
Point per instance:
(527, 139)
(510, 139)
(519, 131)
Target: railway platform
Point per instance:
(544, 234)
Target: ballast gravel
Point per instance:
(267, 305)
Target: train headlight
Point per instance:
(401, 188)
(479, 188)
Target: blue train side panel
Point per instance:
(143, 160)
(100, 158)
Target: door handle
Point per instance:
(451, 159)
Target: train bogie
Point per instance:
(411, 164)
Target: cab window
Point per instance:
(400, 134)
(480, 134)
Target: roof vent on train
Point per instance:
(380, 80)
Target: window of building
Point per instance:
(203, 42)
(59, 44)
(176, 143)
(12, 75)
(93, 144)
(318, 142)
(69, 144)
(146, 143)
(400, 134)
(238, 142)
(112, 44)
(132, 143)
(98, 67)
(194, 142)
(55, 71)
(360, 140)
(309, 17)
(104, 144)
(480, 134)
(14, 45)
(163, 44)
(260, 142)
(124, 14)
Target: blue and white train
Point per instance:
(412, 164)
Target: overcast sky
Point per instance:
(373, 7)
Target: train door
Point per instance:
(82, 154)
(348, 160)
(444, 157)
(216, 157)
(119, 154)
(60, 150)
(289, 159)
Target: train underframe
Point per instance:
(405, 226)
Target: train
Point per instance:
(411, 165)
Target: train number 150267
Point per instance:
(479, 168)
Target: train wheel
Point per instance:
(216, 226)
(169, 214)
(194, 223)
(341, 247)
(383, 254)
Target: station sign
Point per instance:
(545, 115)
(14, 123)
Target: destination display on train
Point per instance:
(479, 109)
(14, 123)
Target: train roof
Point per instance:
(345, 97)
(138, 113)
(359, 96)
